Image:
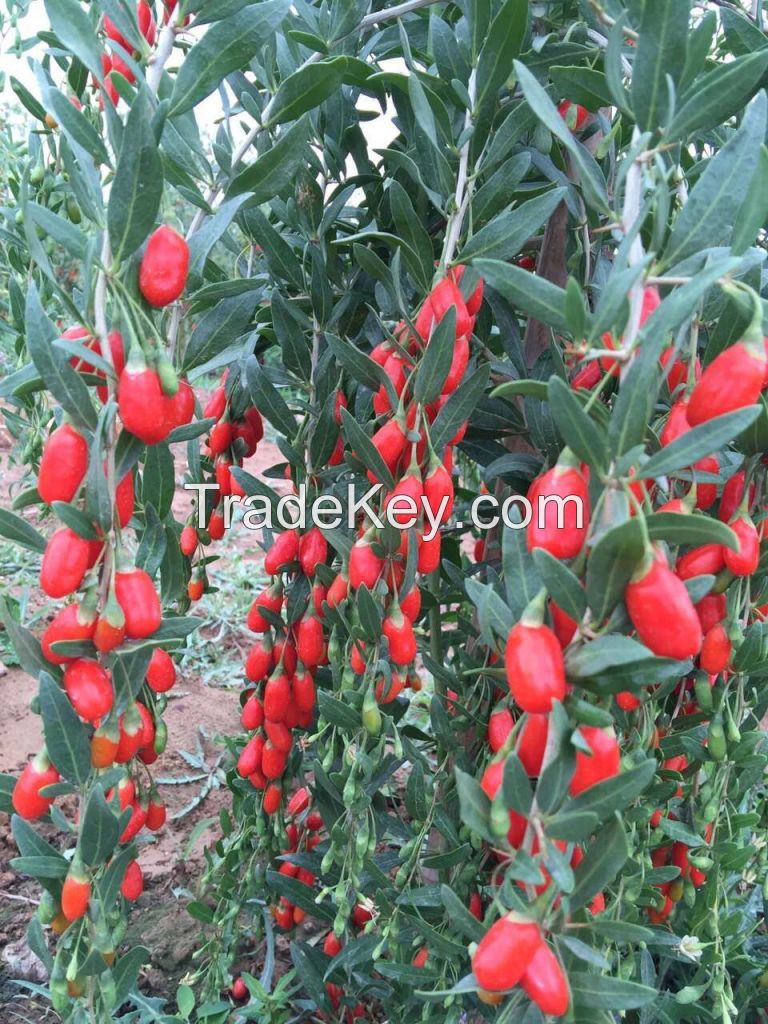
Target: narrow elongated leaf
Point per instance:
(611, 563)
(19, 531)
(583, 435)
(73, 27)
(365, 450)
(306, 89)
(602, 862)
(693, 529)
(268, 399)
(100, 829)
(534, 295)
(459, 407)
(138, 185)
(563, 586)
(268, 174)
(417, 252)
(716, 197)
(219, 328)
(434, 367)
(210, 232)
(52, 364)
(661, 51)
(614, 794)
(359, 366)
(77, 126)
(65, 736)
(226, 47)
(502, 44)
(475, 805)
(603, 992)
(714, 97)
(590, 176)
(506, 234)
(698, 442)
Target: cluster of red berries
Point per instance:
(116, 601)
(232, 439)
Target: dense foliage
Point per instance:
(516, 772)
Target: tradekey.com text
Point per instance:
(329, 512)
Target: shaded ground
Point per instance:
(204, 704)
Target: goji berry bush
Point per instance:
(486, 771)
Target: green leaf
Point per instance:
(434, 366)
(459, 407)
(158, 481)
(138, 185)
(75, 519)
(563, 585)
(586, 86)
(337, 712)
(65, 736)
(717, 196)
(698, 442)
(364, 449)
(417, 251)
(602, 862)
(306, 88)
(266, 177)
(516, 786)
(18, 530)
(125, 971)
(611, 795)
(501, 44)
(100, 829)
(129, 670)
(679, 832)
(153, 544)
(226, 47)
(522, 579)
(754, 210)
(602, 992)
(77, 126)
(75, 30)
(209, 233)
(494, 616)
(719, 94)
(661, 51)
(33, 105)
(268, 399)
(52, 364)
(690, 529)
(506, 234)
(576, 427)
(357, 364)
(39, 867)
(572, 827)
(533, 294)
(611, 563)
(219, 328)
(590, 175)
(299, 894)
(25, 644)
(604, 653)
(460, 917)
(474, 805)
(60, 230)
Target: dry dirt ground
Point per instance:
(206, 694)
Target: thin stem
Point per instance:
(464, 184)
(160, 57)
